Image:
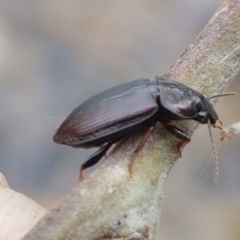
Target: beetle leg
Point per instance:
(139, 147)
(93, 159)
(118, 145)
(178, 133)
(180, 145)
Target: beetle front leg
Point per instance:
(178, 133)
(93, 159)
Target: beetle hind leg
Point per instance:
(93, 159)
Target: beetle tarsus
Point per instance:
(93, 159)
(81, 174)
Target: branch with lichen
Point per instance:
(109, 204)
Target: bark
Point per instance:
(109, 204)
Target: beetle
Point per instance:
(123, 110)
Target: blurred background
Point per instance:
(55, 53)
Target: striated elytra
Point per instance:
(121, 111)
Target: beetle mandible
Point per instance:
(123, 110)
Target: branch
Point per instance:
(111, 205)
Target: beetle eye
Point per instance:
(202, 117)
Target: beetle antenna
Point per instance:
(223, 95)
(216, 167)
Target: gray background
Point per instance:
(55, 54)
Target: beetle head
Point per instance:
(205, 111)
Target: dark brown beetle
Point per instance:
(121, 111)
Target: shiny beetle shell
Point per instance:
(117, 109)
